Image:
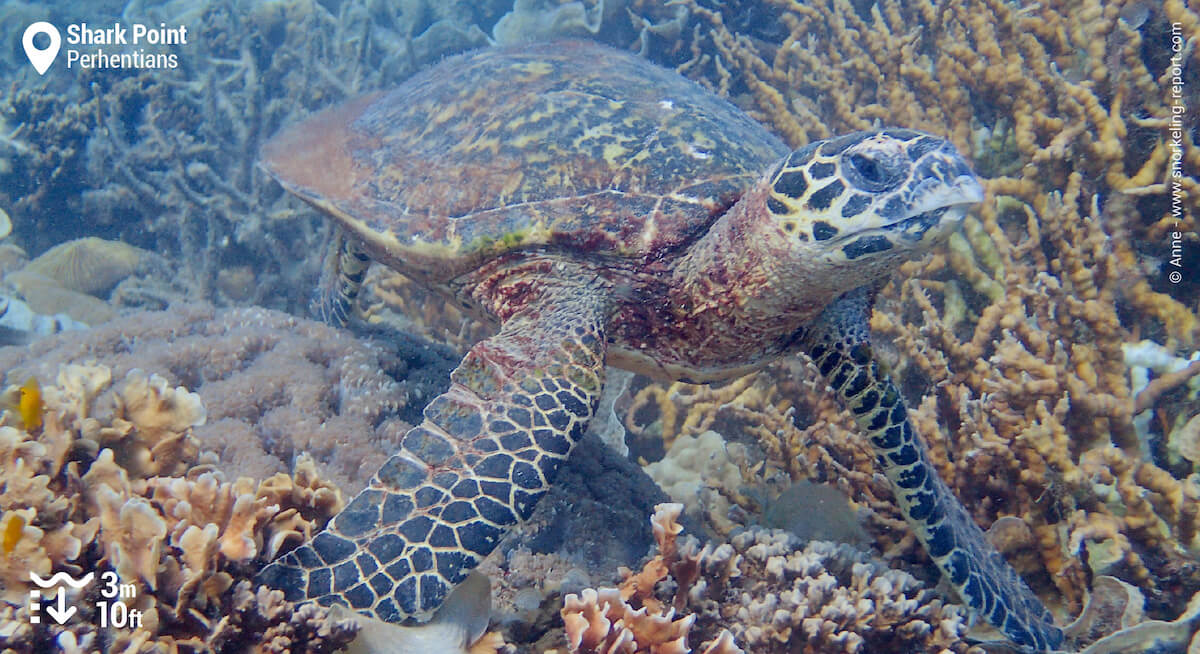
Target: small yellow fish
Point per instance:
(14, 526)
(29, 404)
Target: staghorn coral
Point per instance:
(164, 159)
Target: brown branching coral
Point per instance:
(1010, 342)
(1033, 95)
(165, 158)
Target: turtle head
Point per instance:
(833, 216)
(870, 200)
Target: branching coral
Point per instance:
(181, 541)
(1074, 90)
(167, 156)
(138, 463)
(818, 598)
(165, 159)
(1009, 342)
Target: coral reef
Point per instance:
(818, 597)
(162, 463)
(272, 385)
(165, 159)
(167, 156)
(114, 480)
(590, 524)
(1009, 343)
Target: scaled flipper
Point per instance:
(486, 452)
(342, 272)
(839, 344)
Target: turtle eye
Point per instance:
(867, 168)
(873, 174)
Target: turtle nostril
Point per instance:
(868, 168)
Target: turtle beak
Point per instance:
(971, 189)
(933, 194)
(939, 206)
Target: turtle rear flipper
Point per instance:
(342, 271)
(839, 344)
(486, 452)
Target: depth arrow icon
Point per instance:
(62, 613)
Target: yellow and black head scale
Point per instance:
(873, 192)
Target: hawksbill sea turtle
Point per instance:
(603, 210)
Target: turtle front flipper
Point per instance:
(486, 452)
(839, 344)
(342, 272)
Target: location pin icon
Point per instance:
(41, 59)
